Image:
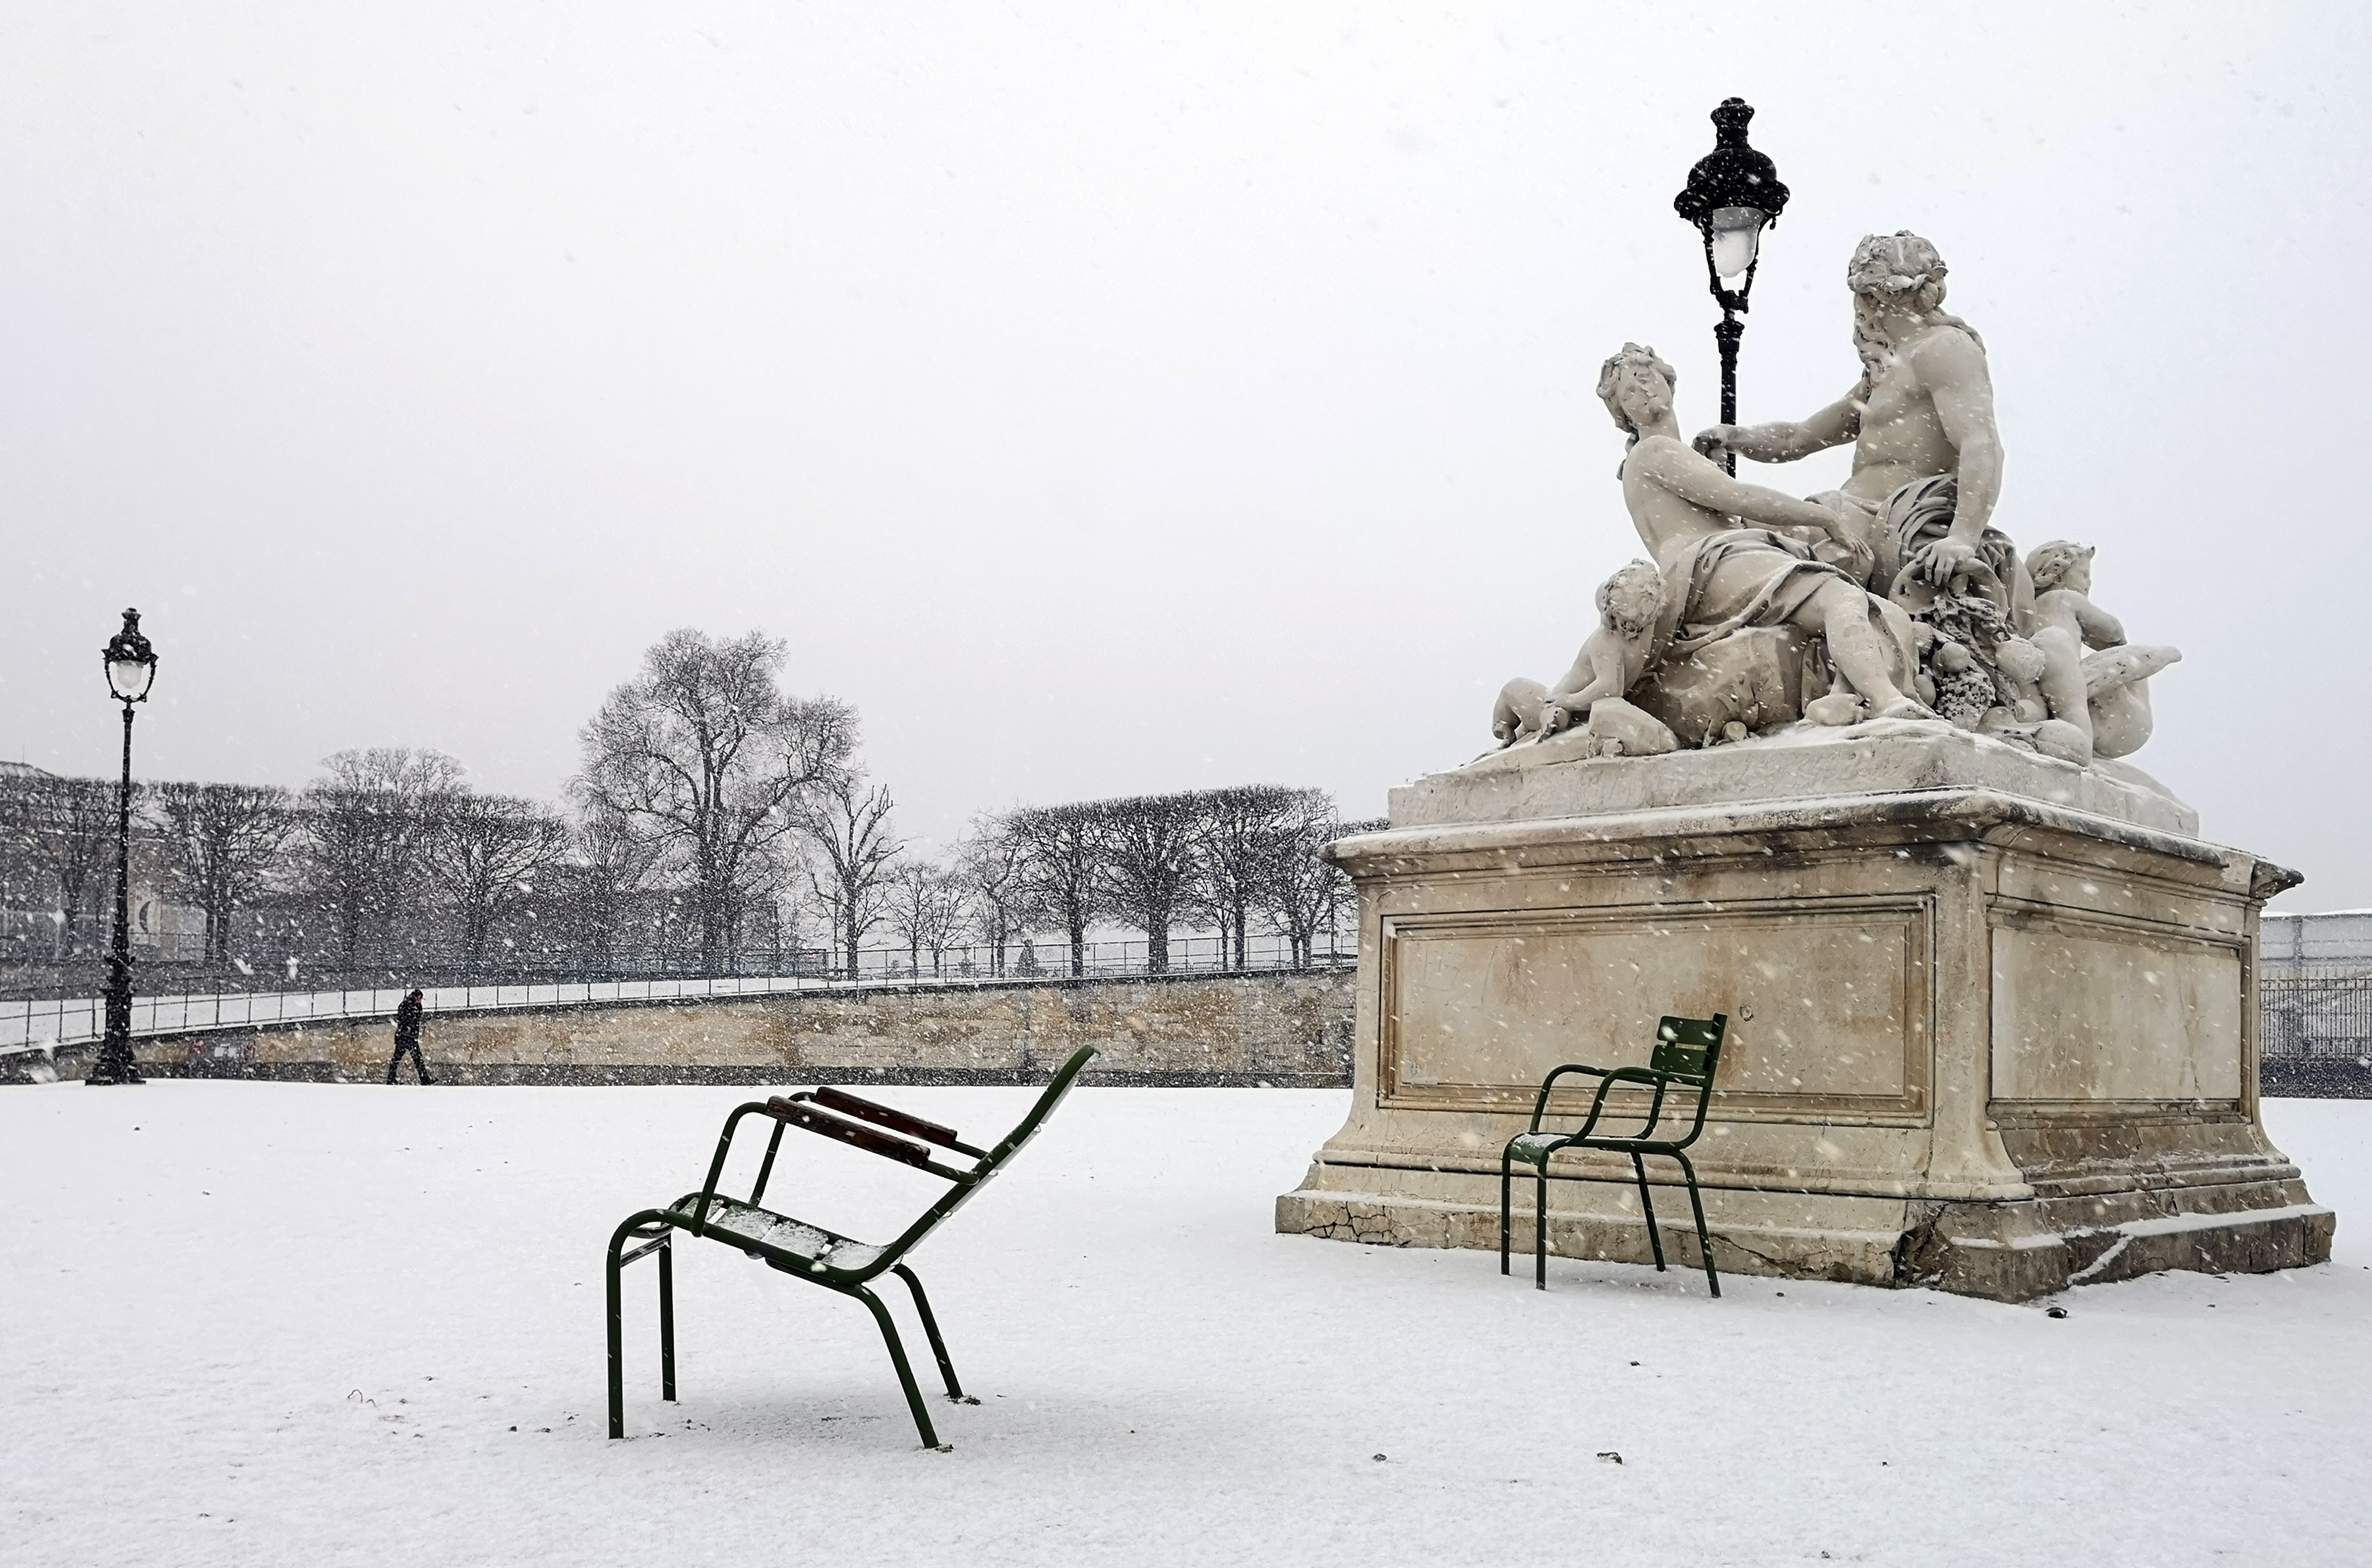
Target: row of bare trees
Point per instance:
(384, 843)
(715, 822)
(1234, 860)
(745, 796)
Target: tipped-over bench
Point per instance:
(809, 1252)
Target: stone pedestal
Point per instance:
(1993, 1017)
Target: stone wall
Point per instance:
(1286, 1029)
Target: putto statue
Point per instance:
(1894, 598)
(1630, 605)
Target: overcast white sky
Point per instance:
(1113, 398)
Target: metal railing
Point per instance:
(48, 1024)
(2315, 1014)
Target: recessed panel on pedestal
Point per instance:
(1830, 1002)
(2093, 1013)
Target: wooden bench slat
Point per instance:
(884, 1116)
(796, 1114)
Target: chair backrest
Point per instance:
(1690, 1049)
(960, 1194)
(1064, 1076)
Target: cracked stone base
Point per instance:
(1989, 1032)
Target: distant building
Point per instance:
(2340, 940)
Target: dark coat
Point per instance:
(407, 1021)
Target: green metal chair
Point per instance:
(1688, 1051)
(809, 1252)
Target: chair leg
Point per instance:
(1705, 1242)
(1648, 1209)
(1540, 1231)
(898, 1360)
(666, 1323)
(617, 1351)
(612, 1285)
(931, 1329)
(1506, 1181)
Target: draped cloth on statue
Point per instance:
(1921, 513)
(1703, 603)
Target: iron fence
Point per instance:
(47, 1024)
(2316, 1015)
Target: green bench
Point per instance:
(1687, 1054)
(809, 1252)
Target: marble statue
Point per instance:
(1991, 995)
(1894, 596)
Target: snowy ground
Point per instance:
(263, 1324)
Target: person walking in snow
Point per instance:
(407, 1038)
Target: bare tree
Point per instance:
(994, 864)
(1062, 847)
(926, 910)
(848, 828)
(63, 829)
(225, 842)
(485, 854)
(1246, 835)
(792, 912)
(367, 821)
(1150, 861)
(704, 752)
(603, 882)
(1311, 893)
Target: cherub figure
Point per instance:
(2116, 675)
(1609, 663)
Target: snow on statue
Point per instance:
(1892, 598)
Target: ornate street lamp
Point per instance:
(131, 669)
(1732, 194)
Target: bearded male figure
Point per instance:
(1927, 469)
(1922, 410)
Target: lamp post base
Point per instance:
(115, 1065)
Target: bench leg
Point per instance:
(617, 1351)
(1540, 1230)
(1648, 1209)
(931, 1329)
(898, 1359)
(666, 1323)
(1705, 1242)
(1506, 1184)
(613, 1267)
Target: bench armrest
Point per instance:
(1540, 1106)
(794, 1114)
(863, 1109)
(1659, 1082)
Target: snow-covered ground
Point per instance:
(261, 1324)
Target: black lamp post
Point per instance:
(1732, 194)
(131, 667)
